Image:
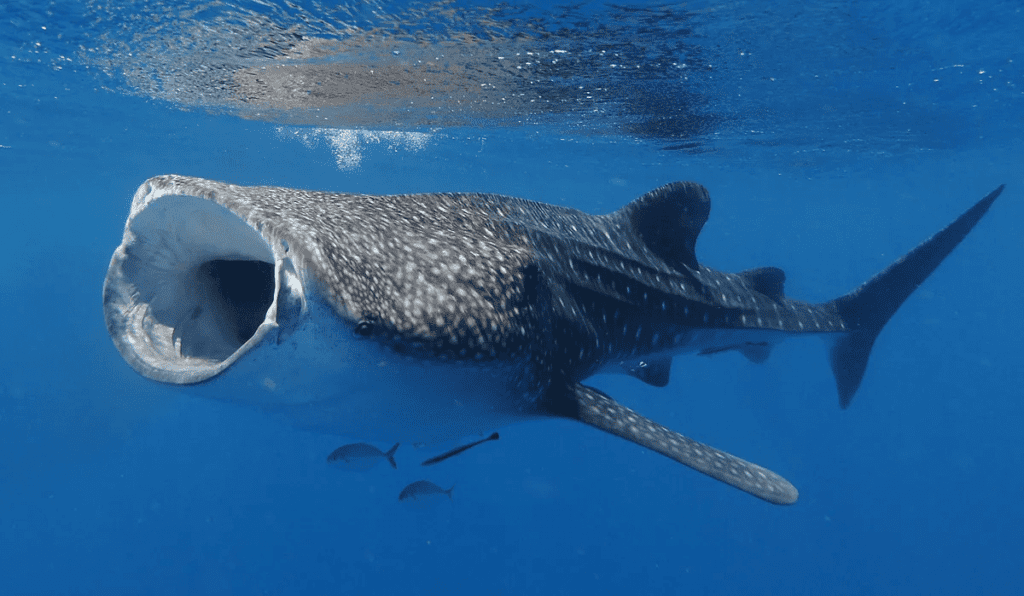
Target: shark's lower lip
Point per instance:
(418, 317)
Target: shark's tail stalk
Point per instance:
(868, 308)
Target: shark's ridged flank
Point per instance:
(435, 316)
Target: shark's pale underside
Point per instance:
(433, 316)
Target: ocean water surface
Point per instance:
(833, 137)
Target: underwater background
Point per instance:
(833, 137)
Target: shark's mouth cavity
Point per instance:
(192, 287)
(236, 294)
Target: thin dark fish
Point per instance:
(458, 450)
(360, 456)
(423, 490)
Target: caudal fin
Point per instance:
(868, 308)
(391, 456)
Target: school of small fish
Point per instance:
(361, 457)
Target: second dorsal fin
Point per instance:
(769, 281)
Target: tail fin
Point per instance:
(391, 456)
(868, 308)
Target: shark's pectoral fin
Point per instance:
(590, 406)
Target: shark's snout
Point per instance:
(191, 288)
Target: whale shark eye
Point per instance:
(364, 328)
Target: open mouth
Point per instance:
(190, 289)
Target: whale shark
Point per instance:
(429, 317)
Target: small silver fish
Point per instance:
(423, 489)
(361, 457)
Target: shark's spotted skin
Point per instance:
(597, 409)
(417, 317)
(434, 272)
(617, 297)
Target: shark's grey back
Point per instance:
(435, 272)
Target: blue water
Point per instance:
(832, 138)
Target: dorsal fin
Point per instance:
(668, 220)
(769, 281)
